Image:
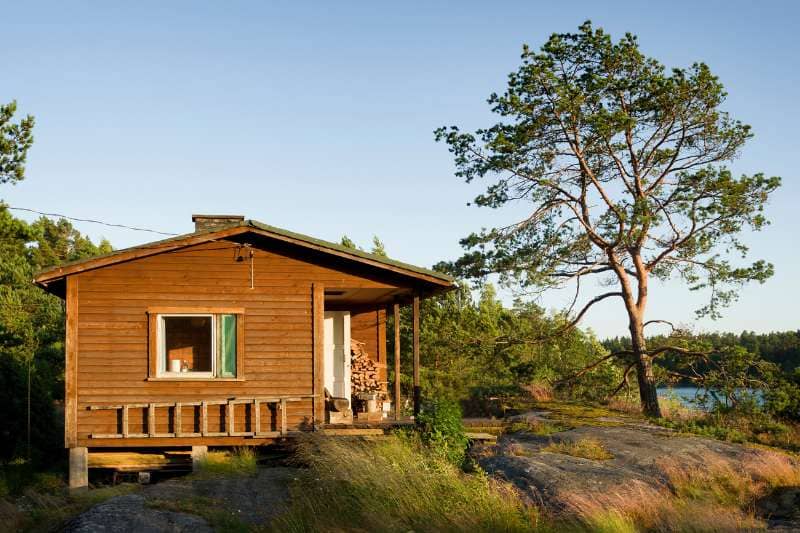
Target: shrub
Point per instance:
(540, 391)
(783, 397)
(441, 429)
(492, 401)
(735, 426)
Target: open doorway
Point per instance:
(337, 353)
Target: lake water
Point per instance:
(685, 394)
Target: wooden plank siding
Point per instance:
(108, 346)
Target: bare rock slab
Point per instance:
(544, 477)
(130, 514)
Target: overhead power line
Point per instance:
(89, 220)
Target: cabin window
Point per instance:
(197, 345)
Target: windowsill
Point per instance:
(199, 378)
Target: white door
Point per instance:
(337, 353)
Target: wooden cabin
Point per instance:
(236, 334)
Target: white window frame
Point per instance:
(161, 365)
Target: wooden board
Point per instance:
(71, 365)
(318, 327)
(481, 436)
(397, 400)
(353, 432)
(415, 352)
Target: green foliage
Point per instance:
(15, 141)
(622, 163)
(19, 476)
(756, 426)
(378, 247)
(441, 429)
(348, 242)
(616, 154)
(47, 505)
(746, 373)
(783, 396)
(477, 351)
(32, 330)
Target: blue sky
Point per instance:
(318, 117)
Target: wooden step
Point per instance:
(353, 432)
(481, 436)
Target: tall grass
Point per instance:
(239, 461)
(539, 391)
(586, 448)
(638, 506)
(391, 484)
(721, 480)
(48, 509)
(712, 494)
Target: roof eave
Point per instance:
(44, 277)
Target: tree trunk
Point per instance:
(644, 370)
(636, 307)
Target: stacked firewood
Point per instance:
(363, 370)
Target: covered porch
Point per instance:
(357, 369)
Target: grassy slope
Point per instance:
(395, 484)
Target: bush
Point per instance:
(492, 400)
(736, 426)
(441, 429)
(783, 398)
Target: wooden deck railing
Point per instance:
(280, 403)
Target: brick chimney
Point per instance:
(210, 222)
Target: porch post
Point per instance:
(415, 322)
(199, 454)
(396, 316)
(318, 350)
(71, 365)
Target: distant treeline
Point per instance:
(779, 347)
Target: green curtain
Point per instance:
(227, 345)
